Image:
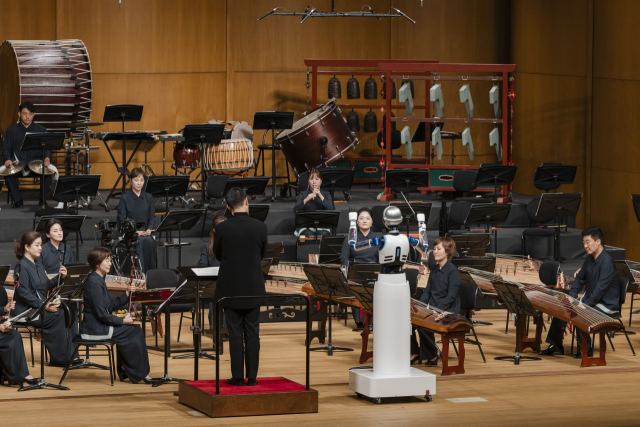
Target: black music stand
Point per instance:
(484, 264)
(409, 213)
(558, 205)
(336, 178)
(496, 175)
(553, 176)
(471, 244)
(317, 219)
(76, 274)
(516, 301)
(179, 221)
(122, 113)
(364, 294)
(364, 273)
(78, 186)
(252, 185)
(42, 141)
(330, 249)
(329, 281)
(635, 200)
(70, 224)
(256, 211)
(167, 186)
(489, 214)
(274, 253)
(40, 312)
(200, 135)
(272, 120)
(406, 180)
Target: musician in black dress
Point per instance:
(99, 322)
(139, 206)
(371, 255)
(599, 279)
(313, 199)
(240, 245)
(52, 250)
(31, 288)
(12, 358)
(442, 293)
(13, 139)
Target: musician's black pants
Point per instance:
(557, 327)
(12, 357)
(13, 184)
(427, 348)
(243, 326)
(54, 335)
(132, 354)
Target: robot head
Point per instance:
(392, 217)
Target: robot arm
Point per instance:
(421, 243)
(376, 242)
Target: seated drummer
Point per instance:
(139, 206)
(313, 199)
(599, 277)
(52, 250)
(99, 322)
(442, 293)
(365, 220)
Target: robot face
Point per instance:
(392, 216)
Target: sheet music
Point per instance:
(206, 271)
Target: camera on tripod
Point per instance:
(128, 232)
(106, 229)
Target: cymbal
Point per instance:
(84, 124)
(13, 169)
(36, 167)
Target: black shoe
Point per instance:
(31, 381)
(122, 375)
(236, 382)
(431, 362)
(151, 381)
(252, 382)
(18, 203)
(412, 361)
(77, 362)
(551, 350)
(578, 355)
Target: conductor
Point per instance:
(240, 245)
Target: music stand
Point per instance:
(553, 176)
(635, 200)
(471, 244)
(122, 113)
(252, 186)
(364, 273)
(364, 294)
(77, 186)
(489, 214)
(256, 211)
(496, 175)
(329, 281)
(70, 224)
(166, 186)
(406, 180)
(558, 205)
(317, 219)
(199, 135)
(179, 221)
(274, 253)
(75, 276)
(42, 141)
(337, 178)
(516, 301)
(272, 120)
(484, 264)
(330, 249)
(409, 212)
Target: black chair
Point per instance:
(537, 220)
(623, 282)
(458, 212)
(273, 148)
(468, 293)
(31, 332)
(215, 189)
(464, 181)
(167, 278)
(304, 251)
(70, 318)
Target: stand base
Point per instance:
(516, 358)
(88, 364)
(330, 349)
(42, 384)
(166, 379)
(417, 383)
(202, 354)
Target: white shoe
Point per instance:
(60, 205)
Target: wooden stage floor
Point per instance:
(554, 391)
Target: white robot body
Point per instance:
(395, 250)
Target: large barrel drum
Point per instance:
(55, 75)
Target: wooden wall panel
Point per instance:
(28, 20)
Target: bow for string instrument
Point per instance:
(133, 275)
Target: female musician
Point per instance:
(52, 250)
(441, 292)
(207, 259)
(32, 286)
(139, 206)
(100, 323)
(12, 358)
(365, 256)
(313, 199)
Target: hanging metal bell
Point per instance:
(353, 121)
(370, 122)
(353, 88)
(384, 121)
(393, 90)
(335, 90)
(370, 89)
(396, 140)
(413, 91)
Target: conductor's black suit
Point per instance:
(240, 244)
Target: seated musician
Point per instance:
(599, 277)
(11, 152)
(442, 293)
(139, 206)
(99, 322)
(365, 256)
(52, 250)
(32, 286)
(12, 358)
(313, 199)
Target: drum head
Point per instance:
(310, 117)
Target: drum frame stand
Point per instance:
(87, 168)
(145, 166)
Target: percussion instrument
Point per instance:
(121, 284)
(13, 169)
(84, 124)
(236, 130)
(55, 75)
(186, 156)
(300, 144)
(229, 155)
(36, 167)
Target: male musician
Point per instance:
(602, 292)
(11, 152)
(239, 245)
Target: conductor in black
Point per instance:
(240, 245)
